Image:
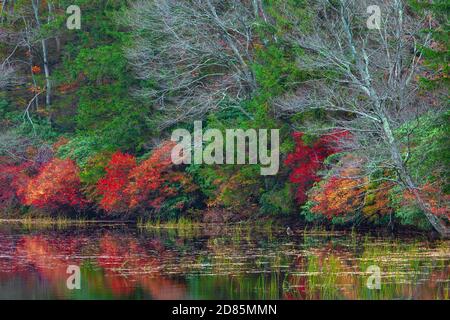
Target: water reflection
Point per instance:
(216, 262)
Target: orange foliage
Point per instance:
(35, 89)
(349, 192)
(378, 202)
(36, 69)
(68, 87)
(434, 197)
(153, 180)
(340, 194)
(56, 185)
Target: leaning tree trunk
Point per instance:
(437, 224)
(406, 179)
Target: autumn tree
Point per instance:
(57, 185)
(369, 85)
(197, 54)
(155, 180)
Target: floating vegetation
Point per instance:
(240, 261)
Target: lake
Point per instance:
(122, 261)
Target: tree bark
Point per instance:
(48, 88)
(407, 180)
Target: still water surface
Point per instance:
(119, 261)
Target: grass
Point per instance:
(59, 222)
(181, 223)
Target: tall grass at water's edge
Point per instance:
(59, 222)
(181, 223)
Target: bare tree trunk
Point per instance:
(45, 57)
(30, 60)
(51, 17)
(58, 46)
(47, 75)
(437, 224)
(3, 10)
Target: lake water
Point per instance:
(120, 261)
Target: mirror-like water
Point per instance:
(217, 262)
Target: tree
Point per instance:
(35, 5)
(195, 55)
(338, 196)
(370, 86)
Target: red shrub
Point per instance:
(13, 182)
(307, 160)
(7, 192)
(113, 184)
(153, 180)
(56, 185)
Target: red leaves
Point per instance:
(113, 184)
(127, 185)
(8, 172)
(56, 185)
(13, 182)
(307, 160)
(150, 181)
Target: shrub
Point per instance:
(56, 185)
(112, 186)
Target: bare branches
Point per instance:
(196, 54)
(373, 90)
(7, 76)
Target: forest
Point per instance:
(358, 90)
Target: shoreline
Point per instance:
(298, 229)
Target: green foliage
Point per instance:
(310, 216)
(96, 66)
(436, 57)
(408, 215)
(277, 202)
(275, 71)
(80, 149)
(94, 167)
(430, 152)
